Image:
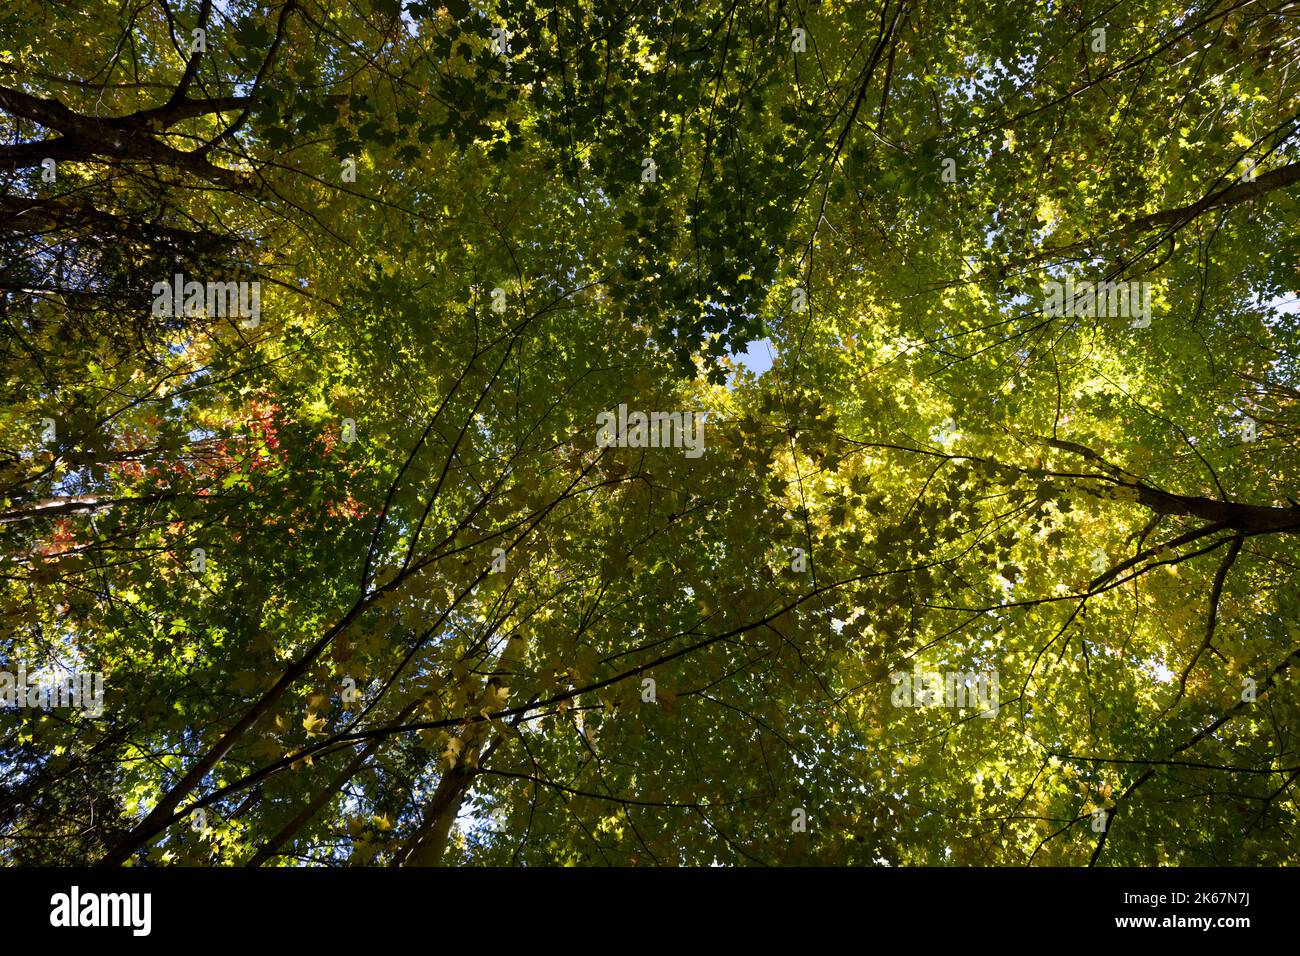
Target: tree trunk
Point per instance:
(1248, 519)
(426, 846)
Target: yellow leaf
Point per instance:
(453, 751)
(313, 724)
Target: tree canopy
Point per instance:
(367, 583)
